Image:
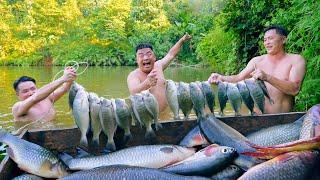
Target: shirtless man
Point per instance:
(282, 72)
(37, 104)
(149, 74)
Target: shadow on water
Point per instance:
(109, 82)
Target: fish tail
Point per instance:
(150, 134)
(95, 142)
(271, 101)
(127, 137)
(65, 158)
(111, 146)
(158, 126)
(84, 141)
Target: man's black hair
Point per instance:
(279, 29)
(22, 79)
(143, 45)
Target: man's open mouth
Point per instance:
(146, 64)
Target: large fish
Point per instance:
(194, 138)
(209, 94)
(308, 138)
(184, 99)
(152, 156)
(222, 96)
(152, 106)
(72, 93)
(108, 122)
(278, 134)
(142, 114)
(122, 172)
(294, 166)
(81, 114)
(264, 90)
(94, 108)
(245, 95)
(256, 93)
(27, 177)
(231, 172)
(205, 162)
(312, 119)
(234, 97)
(197, 99)
(218, 132)
(123, 117)
(172, 98)
(33, 158)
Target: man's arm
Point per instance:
(22, 108)
(57, 94)
(173, 51)
(244, 74)
(136, 86)
(290, 86)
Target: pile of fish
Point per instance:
(97, 114)
(196, 95)
(226, 154)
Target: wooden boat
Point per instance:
(66, 140)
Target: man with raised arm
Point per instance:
(282, 72)
(37, 104)
(149, 74)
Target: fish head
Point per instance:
(59, 169)
(314, 114)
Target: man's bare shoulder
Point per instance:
(133, 74)
(16, 106)
(296, 58)
(257, 59)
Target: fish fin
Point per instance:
(127, 137)
(65, 158)
(10, 153)
(84, 141)
(81, 153)
(158, 126)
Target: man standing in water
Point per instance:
(149, 74)
(37, 104)
(282, 72)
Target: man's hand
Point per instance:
(69, 74)
(152, 78)
(259, 74)
(215, 78)
(186, 37)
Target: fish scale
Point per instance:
(234, 97)
(209, 94)
(152, 156)
(222, 96)
(184, 99)
(256, 93)
(123, 117)
(94, 108)
(172, 98)
(197, 99)
(245, 95)
(33, 158)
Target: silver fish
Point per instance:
(152, 106)
(231, 172)
(27, 177)
(278, 134)
(33, 158)
(205, 162)
(123, 117)
(94, 108)
(264, 90)
(172, 98)
(222, 96)
(184, 99)
(311, 119)
(194, 138)
(197, 99)
(152, 156)
(209, 94)
(142, 114)
(108, 122)
(293, 165)
(122, 172)
(245, 95)
(256, 93)
(72, 93)
(81, 114)
(234, 97)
